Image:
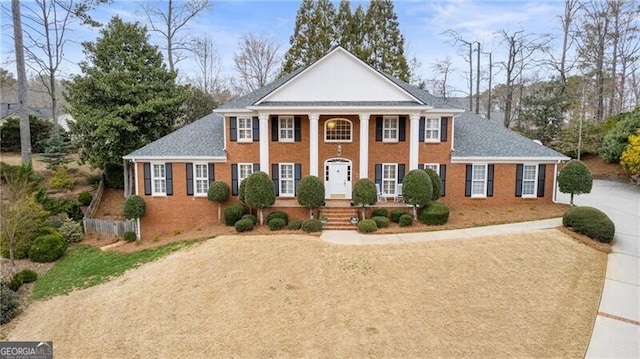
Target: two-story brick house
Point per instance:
(341, 120)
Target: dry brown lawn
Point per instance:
(524, 295)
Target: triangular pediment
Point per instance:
(339, 77)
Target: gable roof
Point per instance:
(475, 137)
(203, 138)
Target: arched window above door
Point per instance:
(338, 130)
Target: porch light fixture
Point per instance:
(339, 150)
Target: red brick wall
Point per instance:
(436, 152)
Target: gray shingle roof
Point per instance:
(202, 138)
(338, 103)
(475, 136)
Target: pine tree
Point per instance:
(125, 97)
(57, 149)
(359, 32)
(344, 26)
(384, 40)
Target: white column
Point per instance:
(364, 144)
(414, 137)
(264, 142)
(313, 143)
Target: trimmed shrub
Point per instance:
(134, 207)
(364, 192)
(244, 225)
(85, 198)
(10, 303)
(295, 225)
(47, 248)
(278, 214)
(27, 275)
(380, 212)
(312, 225)
(396, 214)
(417, 189)
(250, 216)
(61, 179)
(276, 224)
(310, 192)
(591, 222)
(71, 231)
(381, 222)
(435, 183)
(15, 283)
(405, 220)
(436, 213)
(367, 226)
(575, 178)
(130, 236)
(233, 214)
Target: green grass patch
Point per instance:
(86, 266)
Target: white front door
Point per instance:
(338, 179)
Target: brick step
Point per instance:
(338, 218)
(338, 227)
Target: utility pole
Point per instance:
(489, 104)
(478, 80)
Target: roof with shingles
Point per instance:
(202, 138)
(475, 136)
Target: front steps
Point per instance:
(338, 218)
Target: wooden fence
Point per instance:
(107, 227)
(93, 206)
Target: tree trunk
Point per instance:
(219, 211)
(415, 212)
(261, 216)
(571, 200)
(25, 135)
(310, 213)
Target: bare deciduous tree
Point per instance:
(209, 64)
(25, 135)
(171, 22)
(256, 60)
(442, 68)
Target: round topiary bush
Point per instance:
(396, 214)
(252, 217)
(244, 225)
(367, 226)
(312, 225)
(85, 198)
(71, 231)
(134, 207)
(295, 225)
(380, 212)
(10, 303)
(27, 275)
(278, 214)
(276, 224)
(47, 248)
(435, 184)
(435, 214)
(130, 236)
(381, 222)
(405, 220)
(233, 214)
(591, 222)
(15, 283)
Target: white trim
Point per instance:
(395, 118)
(230, 112)
(325, 174)
(239, 171)
(324, 126)
(364, 145)
(314, 125)
(395, 180)
(484, 186)
(508, 159)
(554, 198)
(153, 177)
(535, 180)
(414, 139)
(293, 179)
(437, 165)
(438, 121)
(342, 110)
(176, 159)
(263, 121)
(238, 129)
(135, 176)
(195, 178)
(280, 128)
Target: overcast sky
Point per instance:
(422, 23)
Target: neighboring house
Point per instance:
(341, 120)
(8, 110)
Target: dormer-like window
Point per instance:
(338, 130)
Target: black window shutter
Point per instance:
(274, 128)
(256, 167)
(275, 176)
(421, 129)
(256, 129)
(519, 169)
(421, 166)
(297, 173)
(490, 181)
(402, 128)
(378, 178)
(467, 181)
(233, 128)
(234, 179)
(379, 128)
(443, 129)
(542, 169)
(400, 173)
(443, 180)
(189, 167)
(297, 129)
(169, 174)
(147, 178)
(212, 174)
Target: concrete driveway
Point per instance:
(616, 333)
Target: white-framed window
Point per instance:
(200, 179)
(433, 166)
(287, 182)
(245, 129)
(529, 176)
(244, 171)
(432, 130)
(389, 178)
(285, 128)
(390, 129)
(158, 179)
(479, 180)
(338, 130)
